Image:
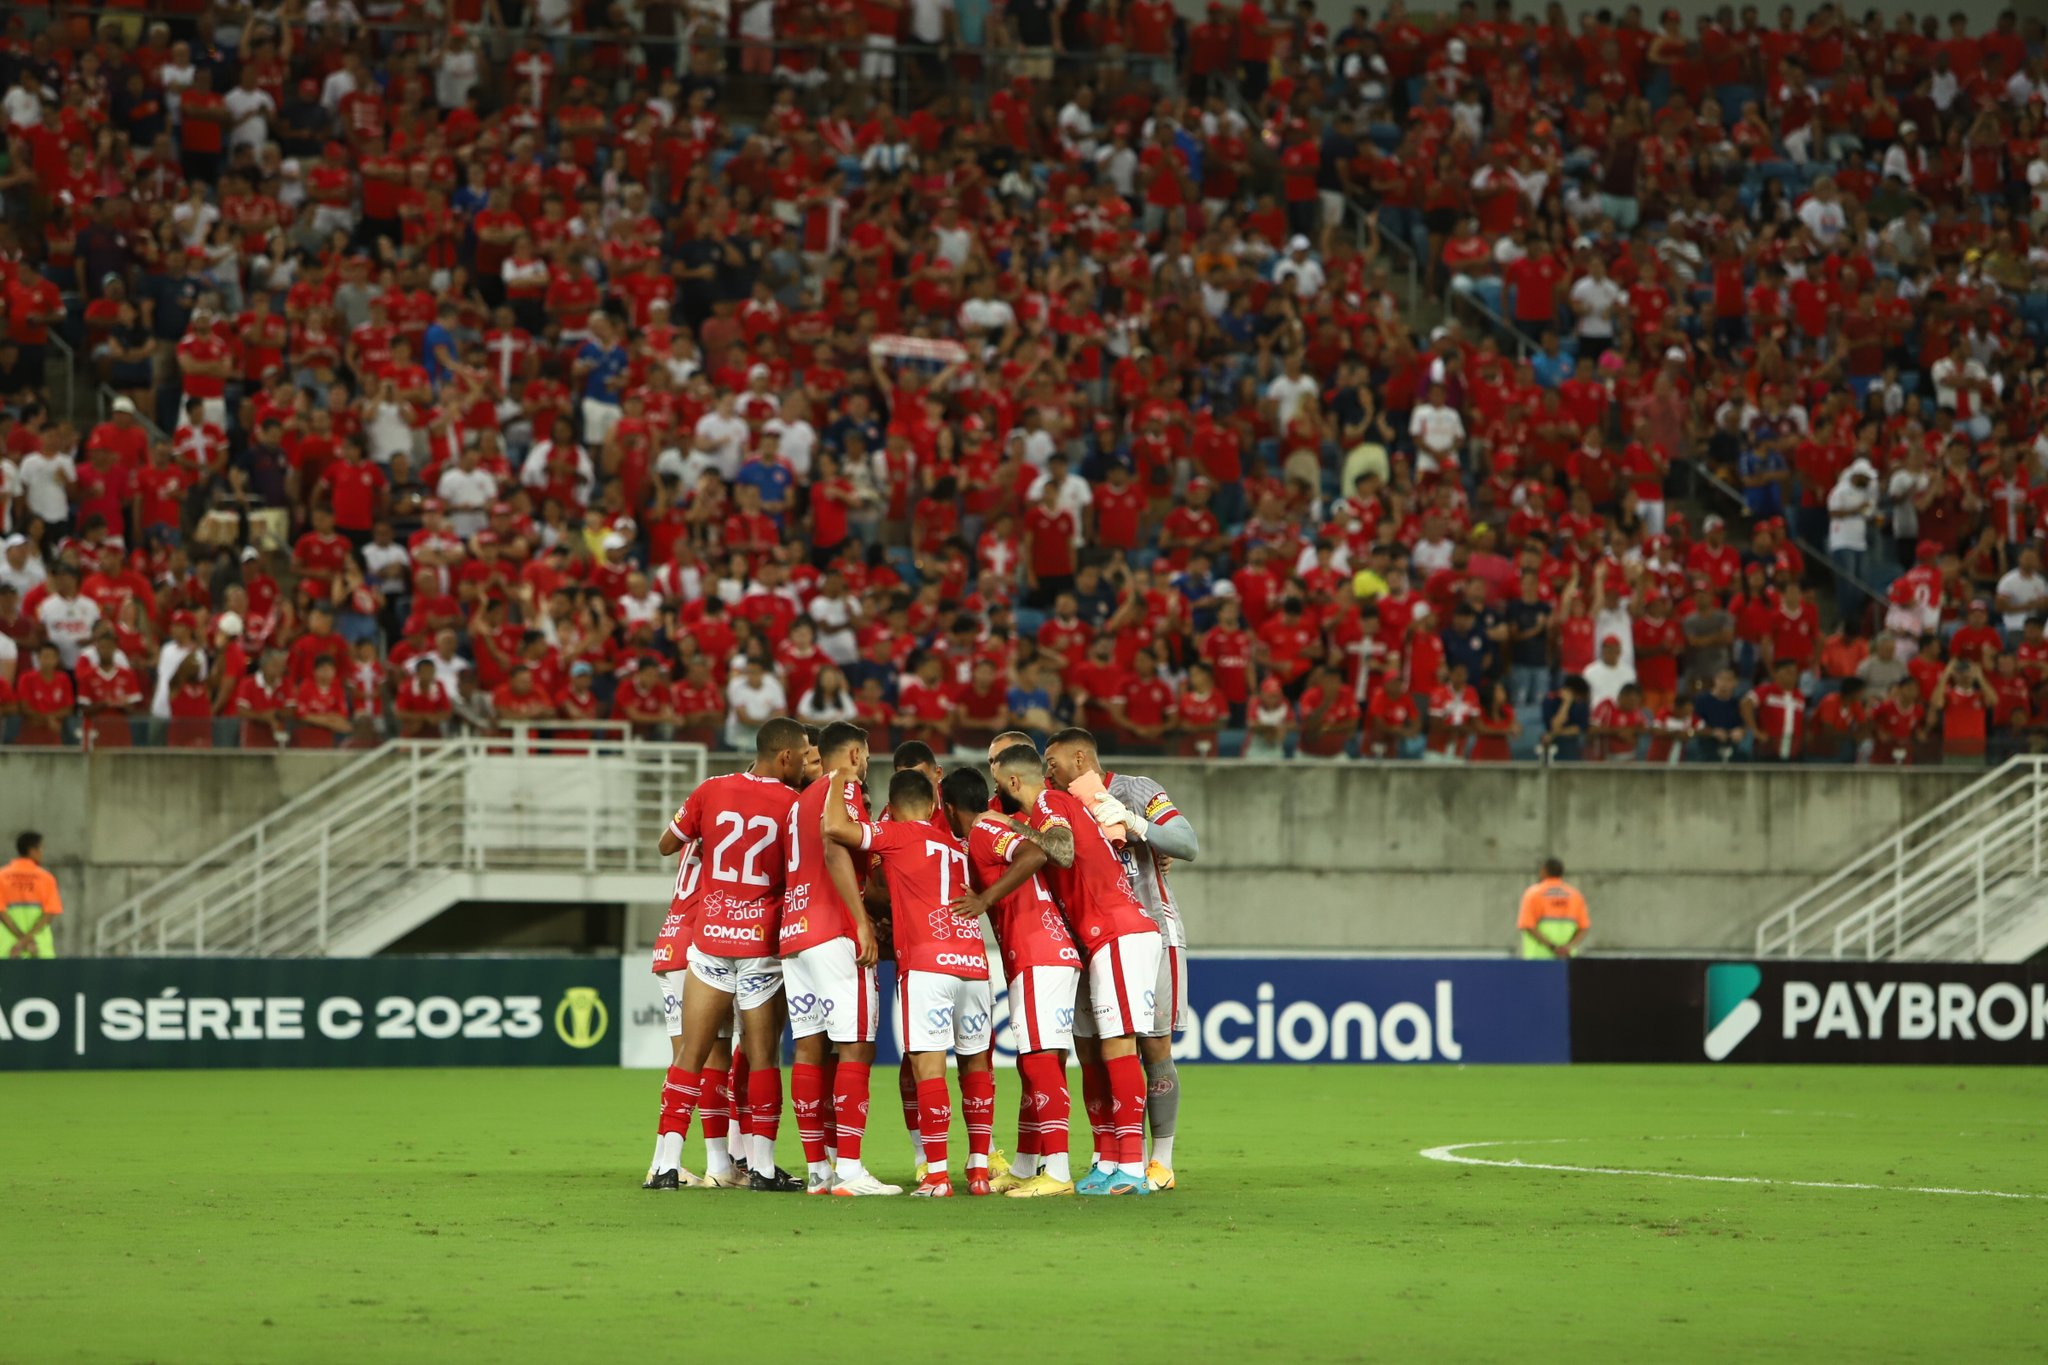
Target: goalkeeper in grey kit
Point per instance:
(1158, 834)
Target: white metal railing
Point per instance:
(543, 797)
(1949, 862)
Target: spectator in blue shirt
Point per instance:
(1567, 715)
(770, 475)
(1722, 731)
(440, 350)
(601, 369)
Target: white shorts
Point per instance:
(943, 1013)
(1042, 1008)
(1123, 983)
(1169, 994)
(752, 981)
(672, 1007)
(598, 420)
(830, 993)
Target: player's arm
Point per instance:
(1026, 859)
(839, 868)
(1058, 842)
(677, 832)
(840, 826)
(1173, 837)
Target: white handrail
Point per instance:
(1940, 866)
(1812, 915)
(354, 842)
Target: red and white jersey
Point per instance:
(741, 822)
(1028, 925)
(1781, 715)
(813, 911)
(926, 868)
(673, 942)
(1096, 891)
(1148, 879)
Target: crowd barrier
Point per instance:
(565, 1011)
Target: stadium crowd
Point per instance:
(683, 368)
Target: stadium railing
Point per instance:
(1946, 885)
(412, 820)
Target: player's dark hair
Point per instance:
(914, 754)
(839, 736)
(1553, 867)
(27, 842)
(779, 735)
(1020, 758)
(965, 789)
(909, 788)
(1073, 734)
(811, 735)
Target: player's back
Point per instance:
(676, 929)
(741, 823)
(926, 869)
(1096, 891)
(1028, 926)
(813, 911)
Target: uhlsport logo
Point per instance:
(1732, 1010)
(581, 1019)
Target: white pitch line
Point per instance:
(1450, 1153)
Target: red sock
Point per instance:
(1095, 1095)
(828, 1075)
(906, 1086)
(716, 1105)
(850, 1106)
(807, 1093)
(1045, 1085)
(1027, 1110)
(934, 1120)
(742, 1110)
(679, 1091)
(764, 1101)
(978, 1103)
(1127, 1107)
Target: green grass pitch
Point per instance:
(349, 1216)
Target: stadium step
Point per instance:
(394, 838)
(1966, 882)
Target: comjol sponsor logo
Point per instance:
(1732, 1010)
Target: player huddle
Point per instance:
(787, 895)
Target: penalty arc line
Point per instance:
(1452, 1153)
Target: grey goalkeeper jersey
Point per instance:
(1171, 836)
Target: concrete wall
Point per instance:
(1294, 855)
(114, 822)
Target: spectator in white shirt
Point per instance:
(2023, 592)
(20, 567)
(1438, 432)
(1608, 674)
(1852, 507)
(1289, 389)
(46, 483)
(1822, 212)
(722, 435)
(66, 617)
(468, 490)
(1302, 268)
(752, 699)
(1595, 298)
